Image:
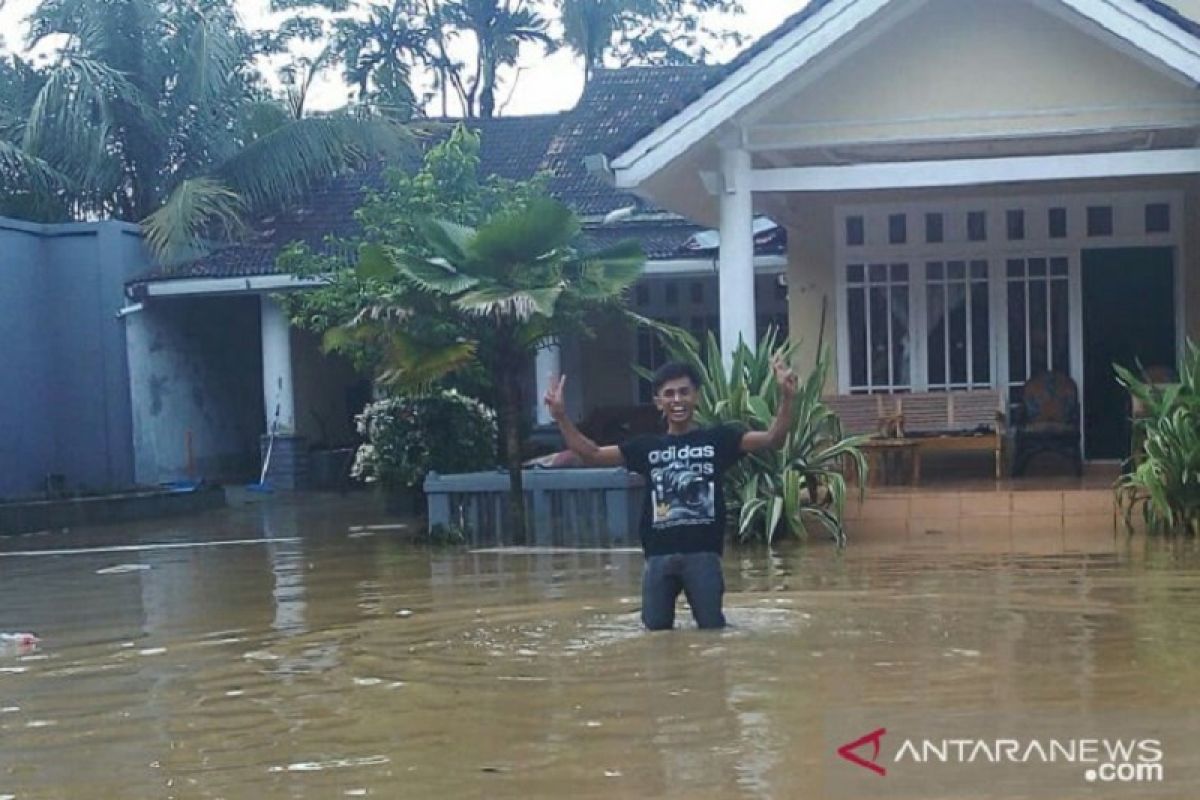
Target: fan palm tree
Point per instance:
(152, 113)
(519, 283)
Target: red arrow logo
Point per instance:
(846, 751)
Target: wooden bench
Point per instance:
(936, 421)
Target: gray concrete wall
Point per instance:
(65, 409)
(195, 372)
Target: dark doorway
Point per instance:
(1128, 318)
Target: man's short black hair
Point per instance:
(674, 370)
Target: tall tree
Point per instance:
(645, 31)
(381, 52)
(151, 112)
(498, 28)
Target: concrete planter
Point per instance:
(565, 507)
(40, 515)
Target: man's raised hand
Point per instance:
(554, 398)
(789, 382)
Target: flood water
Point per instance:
(326, 656)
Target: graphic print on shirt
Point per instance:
(683, 486)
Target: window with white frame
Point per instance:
(958, 324)
(1039, 315)
(878, 317)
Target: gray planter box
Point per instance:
(565, 507)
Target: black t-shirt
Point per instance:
(684, 509)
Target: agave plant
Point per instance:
(1165, 483)
(797, 486)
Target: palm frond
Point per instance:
(213, 54)
(523, 237)
(197, 209)
(519, 304)
(281, 165)
(434, 276)
(20, 171)
(73, 114)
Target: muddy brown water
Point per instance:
(326, 656)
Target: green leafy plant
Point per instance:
(797, 486)
(409, 437)
(1165, 483)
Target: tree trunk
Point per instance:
(510, 401)
(487, 91)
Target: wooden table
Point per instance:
(883, 456)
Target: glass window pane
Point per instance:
(900, 346)
(857, 321)
(854, 273)
(1099, 221)
(1058, 223)
(879, 273)
(1158, 218)
(1058, 266)
(1016, 332)
(855, 231)
(1015, 222)
(697, 292)
(957, 300)
(957, 270)
(899, 273)
(935, 228)
(1039, 344)
(671, 293)
(935, 271)
(1016, 268)
(1037, 267)
(977, 226)
(981, 349)
(935, 305)
(881, 372)
(897, 229)
(1060, 321)
(979, 270)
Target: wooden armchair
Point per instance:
(1046, 421)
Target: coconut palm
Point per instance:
(519, 283)
(152, 112)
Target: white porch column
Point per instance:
(547, 367)
(736, 277)
(278, 395)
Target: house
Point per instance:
(961, 192)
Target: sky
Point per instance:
(544, 84)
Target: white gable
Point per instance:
(976, 69)
(912, 71)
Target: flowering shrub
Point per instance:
(408, 437)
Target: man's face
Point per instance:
(677, 399)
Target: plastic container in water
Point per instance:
(18, 643)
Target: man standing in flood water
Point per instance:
(683, 517)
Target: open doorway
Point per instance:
(1128, 319)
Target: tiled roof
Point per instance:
(615, 103)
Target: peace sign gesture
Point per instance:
(789, 382)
